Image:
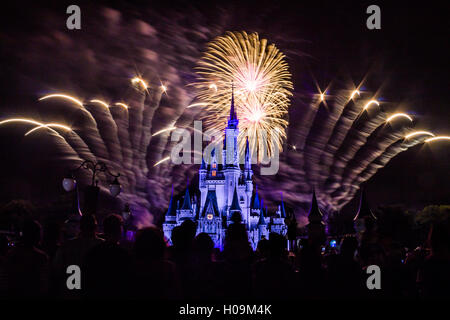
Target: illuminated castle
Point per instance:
(226, 191)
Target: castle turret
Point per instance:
(170, 219)
(256, 204)
(186, 201)
(315, 215)
(316, 227)
(186, 211)
(171, 214)
(202, 172)
(248, 159)
(364, 219)
(282, 209)
(235, 203)
(233, 120)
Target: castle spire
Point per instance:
(364, 208)
(172, 210)
(203, 165)
(235, 203)
(256, 203)
(261, 220)
(283, 211)
(247, 164)
(187, 200)
(315, 215)
(213, 155)
(233, 121)
(232, 111)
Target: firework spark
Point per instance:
(368, 104)
(161, 161)
(399, 115)
(200, 104)
(163, 130)
(37, 124)
(103, 103)
(355, 92)
(262, 83)
(418, 133)
(120, 104)
(63, 96)
(438, 138)
(139, 81)
(49, 125)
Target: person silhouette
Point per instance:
(26, 265)
(345, 276)
(107, 268)
(238, 256)
(154, 276)
(181, 253)
(73, 252)
(273, 275)
(434, 274)
(205, 276)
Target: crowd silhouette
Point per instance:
(193, 269)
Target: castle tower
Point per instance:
(248, 175)
(262, 227)
(202, 181)
(231, 170)
(277, 222)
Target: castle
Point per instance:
(226, 191)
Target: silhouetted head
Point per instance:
(203, 245)
(149, 244)
(263, 248)
(236, 217)
(277, 245)
(88, 225)
(189, 228)
(236, 232)
(112, 227)
(31, 233)
(236, 246)
(349, 244)
(176, 236)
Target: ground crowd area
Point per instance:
(145, 267)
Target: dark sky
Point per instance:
(324, 41)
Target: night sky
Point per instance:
(326, 44)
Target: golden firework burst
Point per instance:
(260, 75)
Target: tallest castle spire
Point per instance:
(233, 121)
(232, 111)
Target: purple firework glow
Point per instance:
(332, 145)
